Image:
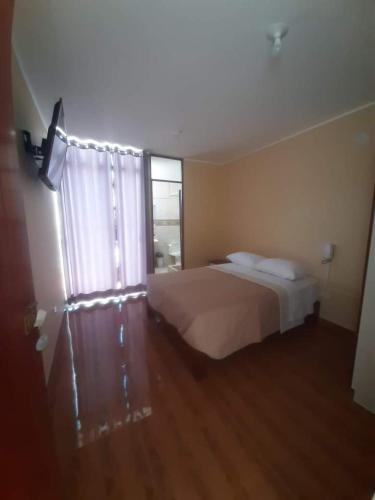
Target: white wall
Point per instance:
(165, 200)
(40, 220)
(166, 168)
(364, 368)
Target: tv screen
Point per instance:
(55, 150)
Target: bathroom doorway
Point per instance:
(166, 211)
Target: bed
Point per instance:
(220, 309)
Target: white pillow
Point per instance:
(287, 269)
(245, 258)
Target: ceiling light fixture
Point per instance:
(276, 32)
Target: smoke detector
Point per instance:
(275, 33)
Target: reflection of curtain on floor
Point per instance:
(110, 367)
(104, 217)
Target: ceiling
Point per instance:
(195, 78)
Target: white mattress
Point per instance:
(296, 297)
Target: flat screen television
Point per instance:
(54, 150)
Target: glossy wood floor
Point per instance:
(274, 421)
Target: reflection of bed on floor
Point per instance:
(218, 310)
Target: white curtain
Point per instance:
(103, 210)
(130, 214)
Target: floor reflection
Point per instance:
(221, 438)
(109, 372)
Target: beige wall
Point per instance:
(289, 199)
(203, 232)
(40, 221)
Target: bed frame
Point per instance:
(197, 362)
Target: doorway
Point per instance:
(165, 193)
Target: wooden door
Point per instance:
(28, 467)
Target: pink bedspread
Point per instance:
(215, 312)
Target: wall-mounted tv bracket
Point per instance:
(37, 152)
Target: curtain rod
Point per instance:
(98, 146)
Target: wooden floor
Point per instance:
(274, 421)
